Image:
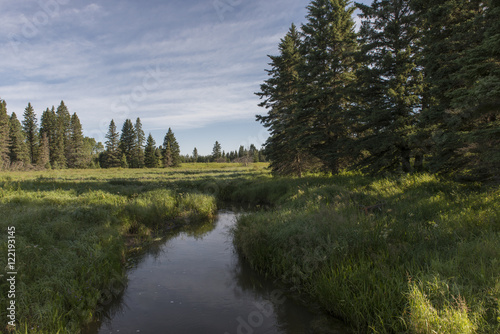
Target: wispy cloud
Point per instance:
(96, 55)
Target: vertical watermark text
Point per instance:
(11, 276)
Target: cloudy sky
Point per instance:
(192, 65)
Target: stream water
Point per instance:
(195, 283)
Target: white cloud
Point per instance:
(98, 58)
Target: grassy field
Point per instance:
(74, 230)
(410, 254)
(407, 254)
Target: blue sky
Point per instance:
(191, 65)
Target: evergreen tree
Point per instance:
(460, 60)
(390, 85)
(77, 158)
(128, 142)
(241, 151)
(329, 45)
(112, 154)
(167, 156)
(30, 129)
(18, 150)
(150, 157)
(123, 161)
(159, 156)
(280, 94)
(43, 159)
(138, 156)
(446, 35)
(195, 154)
(216, 152)
(62, 154)
(4, 136)
(475, 101)
(172, 152)
(48, 127)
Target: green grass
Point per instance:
(75, 230)
(426, 262)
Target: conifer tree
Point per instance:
(281, 98)
(44, 152)
(138, 156)
(49, 127)
(159, 156)
(476, 101)
(216, 152)
(112, 155)
(171, 153)
(4, 136)
(63, 135)
(76, 147)
(329, 45)
(167, 156)
(18, 150)
(195, 154)
(150, 157)
(123, 161)
(128, 142)
(459, 113)
(390, 85)
(30, 129)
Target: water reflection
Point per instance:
(194, 282)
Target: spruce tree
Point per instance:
(30, 129)
(475, 101)
(4, 136)
(138, 156)
(216, 152)
(18, 150)
(329, 45)
(449, 35)
(112, 155)
(281, 97)
(167, 156)
(150, 157)
(48, 127)
(172, 152)
(77, 158)
(63, 135)
(195, 155)
(128, 142)
(390, 85)
(44, 152)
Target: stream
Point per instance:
(194, 282)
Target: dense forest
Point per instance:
(59, 143)
(416, 89)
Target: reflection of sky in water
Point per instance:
(196, 284)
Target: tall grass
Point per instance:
(75, 230)
(364, 267)
(425, 260)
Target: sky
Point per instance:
(189, 65)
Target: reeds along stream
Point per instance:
(195, 282)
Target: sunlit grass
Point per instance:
(426, 259)
(359, 265)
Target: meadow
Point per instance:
(413, 253)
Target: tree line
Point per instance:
(58, 142)
(417, 88)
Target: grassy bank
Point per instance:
(411, 254)
(75, 229)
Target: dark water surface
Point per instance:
(195, 283)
